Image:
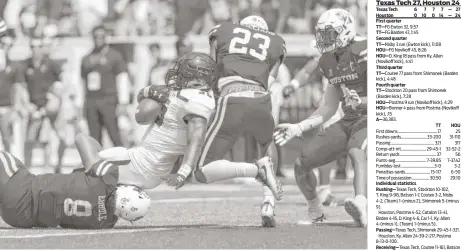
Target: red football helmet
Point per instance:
(193, 70)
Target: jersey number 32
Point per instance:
(239, 44)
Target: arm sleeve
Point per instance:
(101, 168)
(213, 32)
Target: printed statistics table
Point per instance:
(415, 125)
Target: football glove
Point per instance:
(154, 92)
(288, 91)
(176, 180)
(179, 179)
(351, 98)
(286, 132)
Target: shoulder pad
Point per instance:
(197, 102)
(359, 46)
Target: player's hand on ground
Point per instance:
(288, 91)
(286, 132)
(176, 180)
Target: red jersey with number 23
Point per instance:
(247, 52)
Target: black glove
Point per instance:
(154, 92)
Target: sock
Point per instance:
(324, 187)
(268, 196)
(314, 202)
(225, 170)
(361, 200)
(314, 206)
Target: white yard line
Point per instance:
(96, 232)
(291, 198)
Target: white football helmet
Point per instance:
(335, 29)
(254, 21)
(131, 202)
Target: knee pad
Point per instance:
(200, 177)
(116, 155)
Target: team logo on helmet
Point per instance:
(193, 70)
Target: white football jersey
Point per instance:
(163, 144)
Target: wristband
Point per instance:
(185, 170)
(295, 83)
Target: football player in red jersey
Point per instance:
(84, 199)
(248, 56)
(344, 64)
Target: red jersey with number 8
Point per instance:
(78, 200)
(246, 52)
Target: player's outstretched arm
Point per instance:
(274, 72)
(88, 148)
(197, 126)
(302, 77)
(286, 132)
(327, 109)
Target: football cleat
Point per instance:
(326, 198)
(356, 211)
(312, 218)
(266, 175)
(268, 214)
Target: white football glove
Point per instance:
(286, 132)
(351, 97)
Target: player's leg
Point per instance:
(324, 188)
(319, 151)
(260, 123)
(341, 163)
(275, 151)
(34, 126)
(357, 207)
(15, 193)
(89, 149)
(250, 147)
(93, 119)
(110, 121)
(59, 126)
(6, 127)
(220, 138)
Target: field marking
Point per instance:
(97, 232)
(218, 199)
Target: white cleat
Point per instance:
(327, 199)
(356, 211)
(312, 218)
(266, 175)
(268, 214)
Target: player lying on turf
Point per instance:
(248, 56)
(344, 64)
(178, 115)
(85, 199)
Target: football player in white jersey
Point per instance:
(186, 105)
